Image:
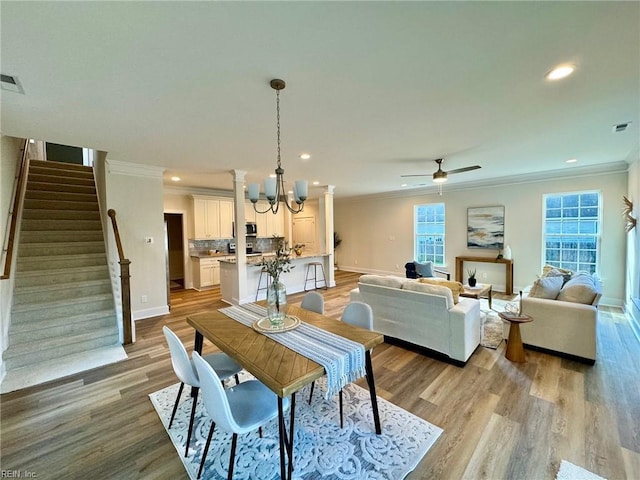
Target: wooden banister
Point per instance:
(18, 194)
(125, 285)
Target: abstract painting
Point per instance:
(485, 227)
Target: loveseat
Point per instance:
(564, 307)
(423, 314)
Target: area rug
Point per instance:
(491, 333)
(322, 448)
(569, 471)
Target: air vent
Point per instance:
(10, 83)
(621, 127)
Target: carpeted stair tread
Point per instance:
(60, 187)
(61, 214)
(33, 278)
(62, 180)
(57, 196)
(45, 263)
(63, 302)
(60, 225)
(60, 165)
(51, 348)
(62, 334)
(61, 248)
(40, 294)
(58, 204)
(107, 314)
(35, 313)
(57, 236)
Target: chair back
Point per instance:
(180, 359)
(314, 302)
(358, 314)
(214, 396)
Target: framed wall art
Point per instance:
(485, 227)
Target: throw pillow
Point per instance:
(455, 287)
(580, 289)
(424, 269)
(547, 287)
(551, 271)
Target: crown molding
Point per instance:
(118, 167)
(209, 192)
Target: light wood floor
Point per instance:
(501, 420)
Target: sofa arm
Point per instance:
(464, 328)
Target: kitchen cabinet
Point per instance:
(213, 218)
(268, 223)
(206, 272)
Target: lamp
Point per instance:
(274, 187)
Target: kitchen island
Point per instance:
(293, 280)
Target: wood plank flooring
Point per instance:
(501, 420)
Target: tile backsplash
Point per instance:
(222, 245)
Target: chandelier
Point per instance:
(274, 187)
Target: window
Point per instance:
(572, 230)
(429, 233)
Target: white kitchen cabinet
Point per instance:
(206, 272)
(249, 213)
(268, 223)
(213, 218)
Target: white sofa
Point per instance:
(564, 321)
(422, 314)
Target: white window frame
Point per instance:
(435, 255)
(561, 262)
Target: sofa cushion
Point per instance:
(580, 289)
(382, 280)
(424, 269)
(455, 287)
(551, 271)
(547, 287)
(417, 286)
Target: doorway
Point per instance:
(175, 251)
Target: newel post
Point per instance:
(125, 286)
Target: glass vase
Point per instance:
(276, 303)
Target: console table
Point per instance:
(507, 263)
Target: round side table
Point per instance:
(515, 350)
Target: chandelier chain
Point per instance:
(278, 122)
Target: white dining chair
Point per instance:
(237, 410)
(183, 367)
(314, 302)
(358, 314)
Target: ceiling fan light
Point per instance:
(439, 177)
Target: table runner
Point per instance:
(342, 359)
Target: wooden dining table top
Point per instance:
(281, 369)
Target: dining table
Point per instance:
(280, 368)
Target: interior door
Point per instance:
(304, 232)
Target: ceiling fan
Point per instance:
(440, 176)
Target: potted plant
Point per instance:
(276, 291)
(472, 277)
(297, 248)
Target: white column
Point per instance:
(325, 210)
(241, 241)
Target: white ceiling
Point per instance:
(374, 89)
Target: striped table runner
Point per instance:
(342, 359)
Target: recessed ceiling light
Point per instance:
(273, 175)
(305, 156)
(571, 160)
(316, 182)
(175, 179)
(561, 71)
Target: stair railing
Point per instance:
(125, 285)
(16, 205)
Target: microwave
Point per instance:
(250, 229)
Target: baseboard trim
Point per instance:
(149, 312)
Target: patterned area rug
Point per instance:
(491, 333)
(569, 471)
(322, 448)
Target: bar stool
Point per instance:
(315, 278)
(263, 271)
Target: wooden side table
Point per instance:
(515, 349)
(481, 290)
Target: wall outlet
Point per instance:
(144, 299)
(484, 274)
(148, 240)
(355, 262)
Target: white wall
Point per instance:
(9, 154)
(633, 248)
(377, 232)
(135, 193)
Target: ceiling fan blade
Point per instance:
(417, 175)
(464, 169)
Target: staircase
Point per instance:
(63, 317)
